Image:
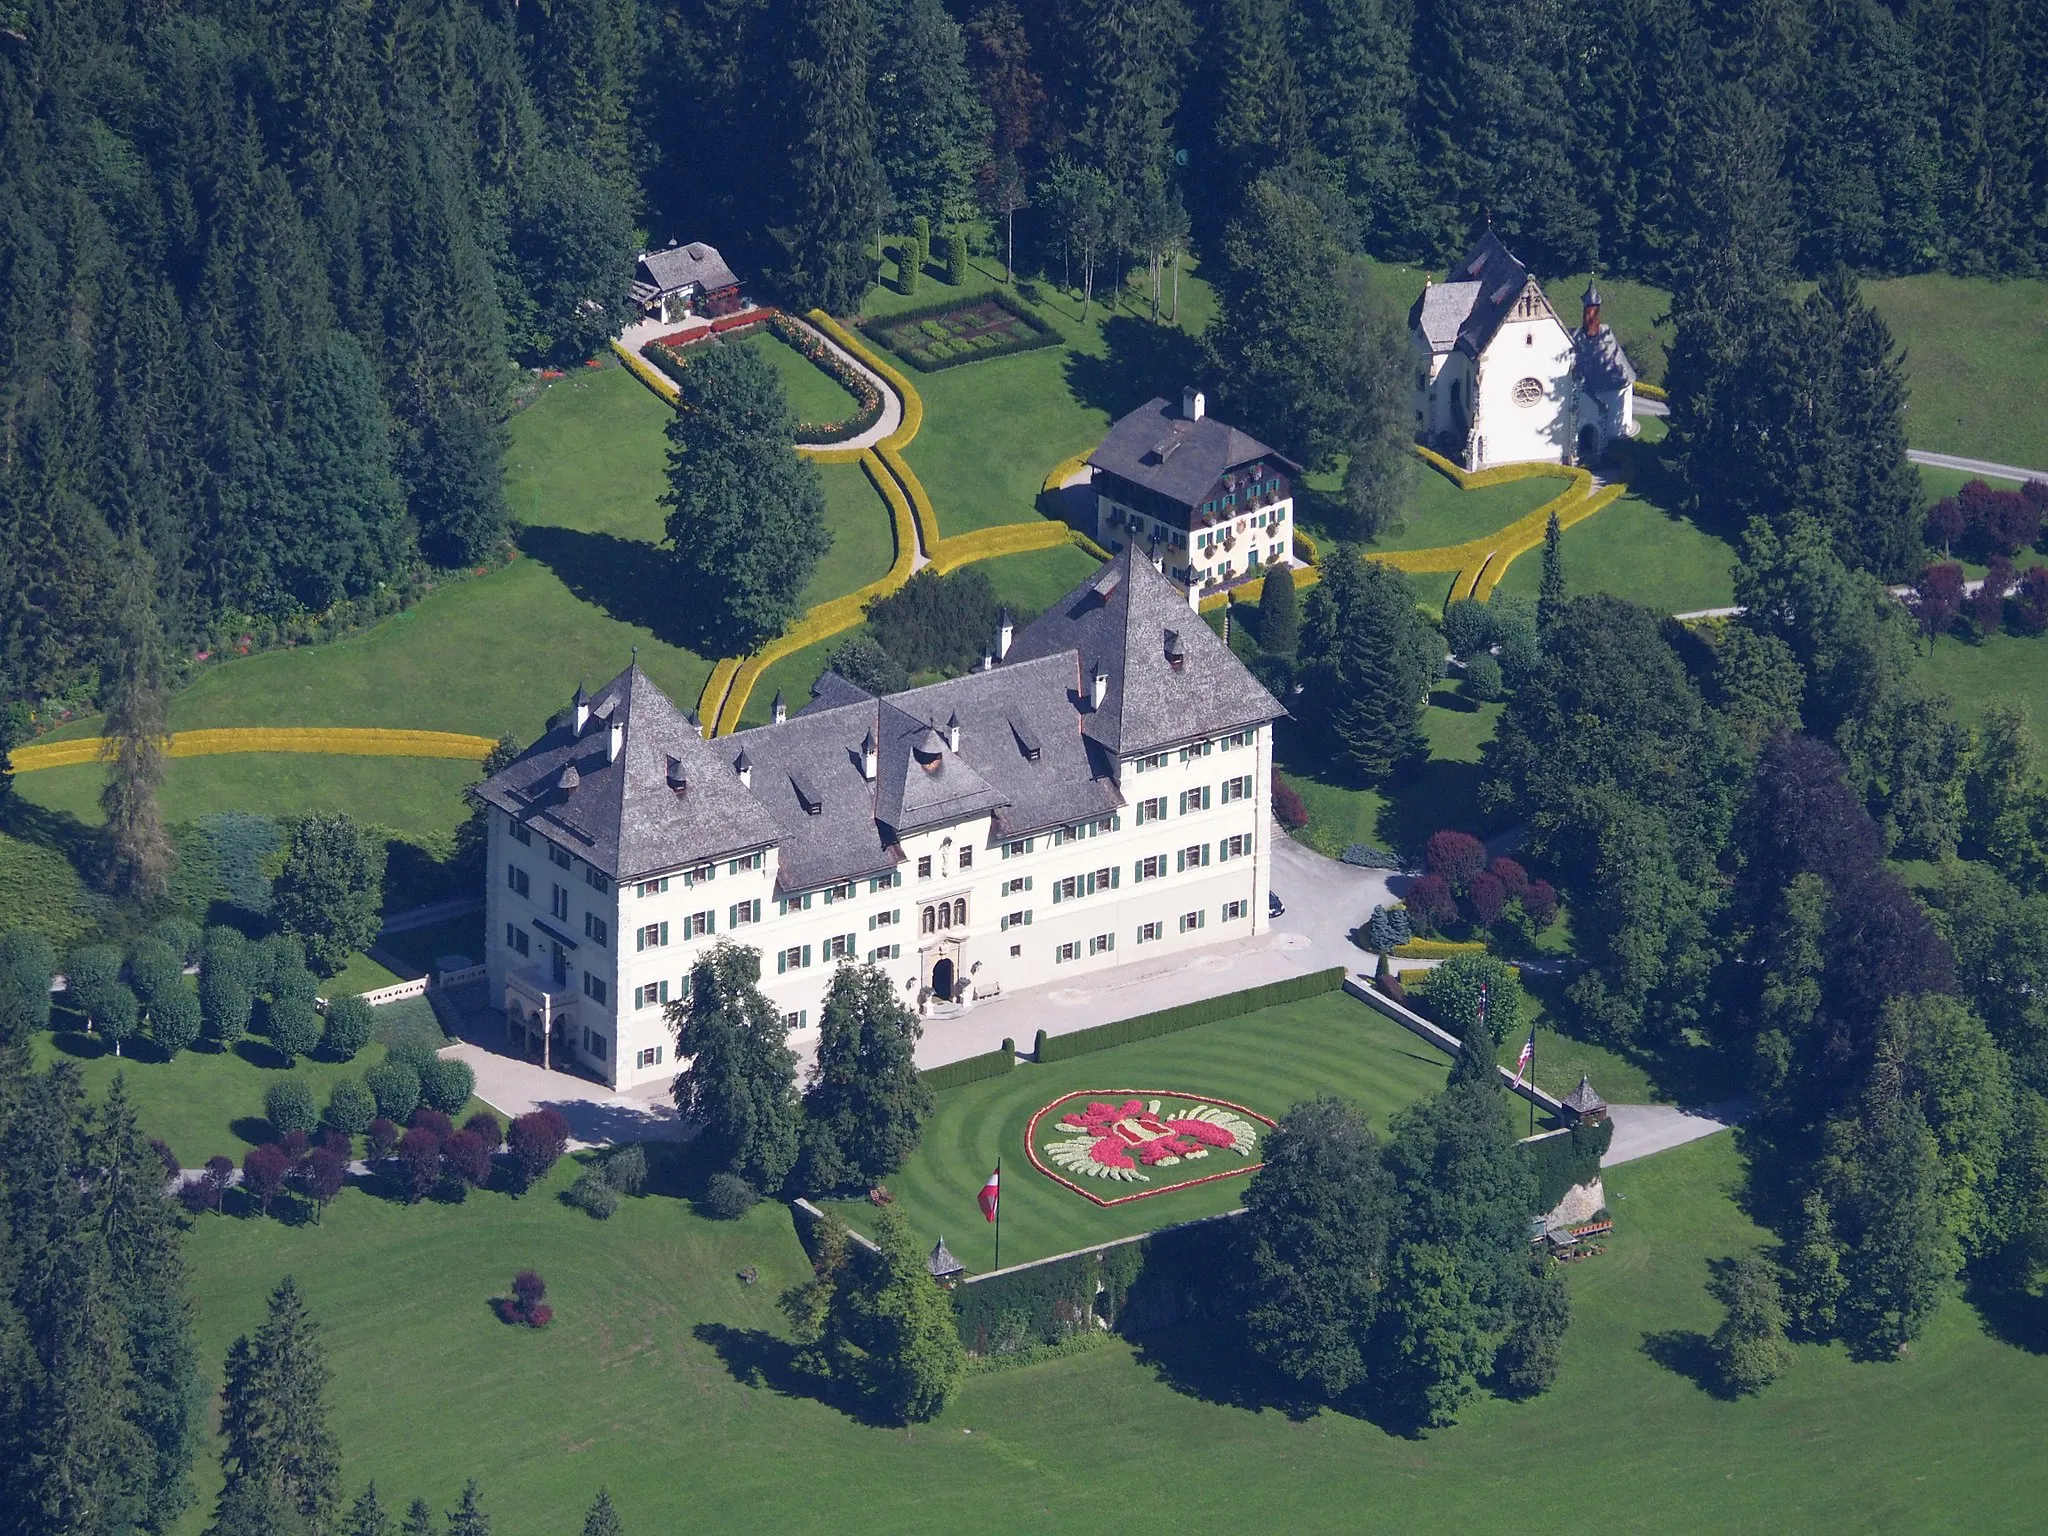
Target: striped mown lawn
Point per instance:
(1265, 1061)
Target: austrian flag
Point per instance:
(988, 1199)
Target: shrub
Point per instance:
(467, 1159)
(174, 1020)
(415, 1053)
(625, 1169)
(1487, 898)
(396, 1088)
(382, 1139)
(1365, 856)
(350, 1107)
(537, 1140)
(264, 1171)
(1388, 929)
(288, 1105)
(862, 662)
(180, 935)
(419, 1155)
(1455, 857)
(956, 259)
(973, 1069)
(935, 623)
(1453, 991)
(485, 1125)
(350, 1024)
(1288, 807)
(227, 976)
(527, 1303)
(446, 1084)
(1468, 627)
(591, 1194)
(1431, 907)
(1483, 680)
(241, 845)
(432, 1121)
(1230, 1005)
(729, 1197)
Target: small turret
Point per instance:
(780, 709)
(1591, 300)
(744, 767)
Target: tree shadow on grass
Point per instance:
(253, 1129)
(2012, 1314)
(757, 1358)
(1141, 360)
(1213, 1365)
(623, 578)
(260, 1053)
(1685, 1352)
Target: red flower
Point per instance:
(1111, 1154)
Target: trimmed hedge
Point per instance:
(1559, 1162)
(973, 1069)
(1438, 949)
(1041, 333)
(1168, 1021)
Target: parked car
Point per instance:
(1274, 905)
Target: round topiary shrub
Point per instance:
(416, 1054)
(181, 934)
(350, 1107)
(446, 1084)
(288, 1105)
(1483, 678)
(729, 1197)
(294, 1027)
(396, 1088)
(174, 1019)
(592, 1194)
(350, 1023)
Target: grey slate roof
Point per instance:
(1441, 312)
(807, 778)
(1601, 362)
(1583, 1099)
(678, 266)
(1494, 277)
(1118, 620)
(625, 817)
(1157, 447)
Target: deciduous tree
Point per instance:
(741, 1078)
(331, 889)
(865, 1106)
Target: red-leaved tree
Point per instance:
(1431, 906)
(382, 1140)
(1540, 902)
(2030, 601)
(433, 1122)
(1288, 807)
(537, 1140)
(219, 1177)
(1938, 597)
(264, 1171)
(467, 1159)
(528, 1302)
(1456, 857)
(320, 1176)
(1512, 877)
(1487, 898)
(1986, 605)
(419, 1154)
(487, 1128)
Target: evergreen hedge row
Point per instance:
(1560, 1162)
(973, 1069)
(1170, 1020)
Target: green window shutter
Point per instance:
(1205, 853)
(639, 938)
(732, 916)
(1055, 893)
(664, 933)
(871, 923)
(1115, 875)
(781, 961)
(1027, 919)
(807, 954)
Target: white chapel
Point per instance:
(1498, 377)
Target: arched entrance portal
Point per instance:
(943, 978)
(1589, 444)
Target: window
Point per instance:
(947, 914)
(1066, 952)
(597, 1044)
(1017, 849)
(924, 867)
(790, 904)
(596, 880)
(885, 919)
(1241, 739)
(1528, 391)
(653, 936)
(515, 938)
(521, 832)
(1147, 932)
(886, 882)
(794, 958)
(558, 902)
(596, 928)
(1150, 868)
(699, 875)
(1234, 847)
(840, 947)
(748, 861)
(967, 858)
(650, 1057)
(559, 856)
(594, 988)
(1021, 883)
(1016, 950)
(515, 877)
(647, 996)
(1152, 810)
(1102, 944)
(654, 887)
(839, 893)
(741, 913)
(1237, 789)
(1190, 921)
(1234, 910)
(698, 924)
(1016, 920)
(797, 1019)
(1192, 857)
(885, 952)
(1194, 800)
(1199, 749)
(1147, 764)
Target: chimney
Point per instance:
(1175, 656)
(676, 779)
(1591, 300)
(1098, 687)
(1192, 405)
(696, 725)
(781, 709)
(744, 767)
(988, 662)
(617, 742)
(1005, 632)
(582, 708)
(869, 760)
(1194, 594)
(953, 731)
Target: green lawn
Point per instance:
(588, 454)
(656, 1343)
(863, 542)
(205, 1101)
(1439, 513)
(1976, 353)
(2004, 669)
(1265, 1061)
(1400, 817)
(814, 394)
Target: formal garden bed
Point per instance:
(669, 354)
(961, 331)
(1124, 1137)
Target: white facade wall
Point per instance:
(1232, 548)
(1509, 427)
(1019, 929)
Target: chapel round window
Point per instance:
(1528, 391)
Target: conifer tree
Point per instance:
(823, 209)
(865, 1106)
(1354, 60)
(274, 1414)
(583, 57)
(1550, 596)
(135, 730)
(366, 1517)
(419, 1519)
(1370, 659)
(1279, 613)
(931, 130)
(468, 1517)
(603, 1519)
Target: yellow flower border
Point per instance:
(330, 741)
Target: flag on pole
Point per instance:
(1528, 1055)
(988, 1198)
